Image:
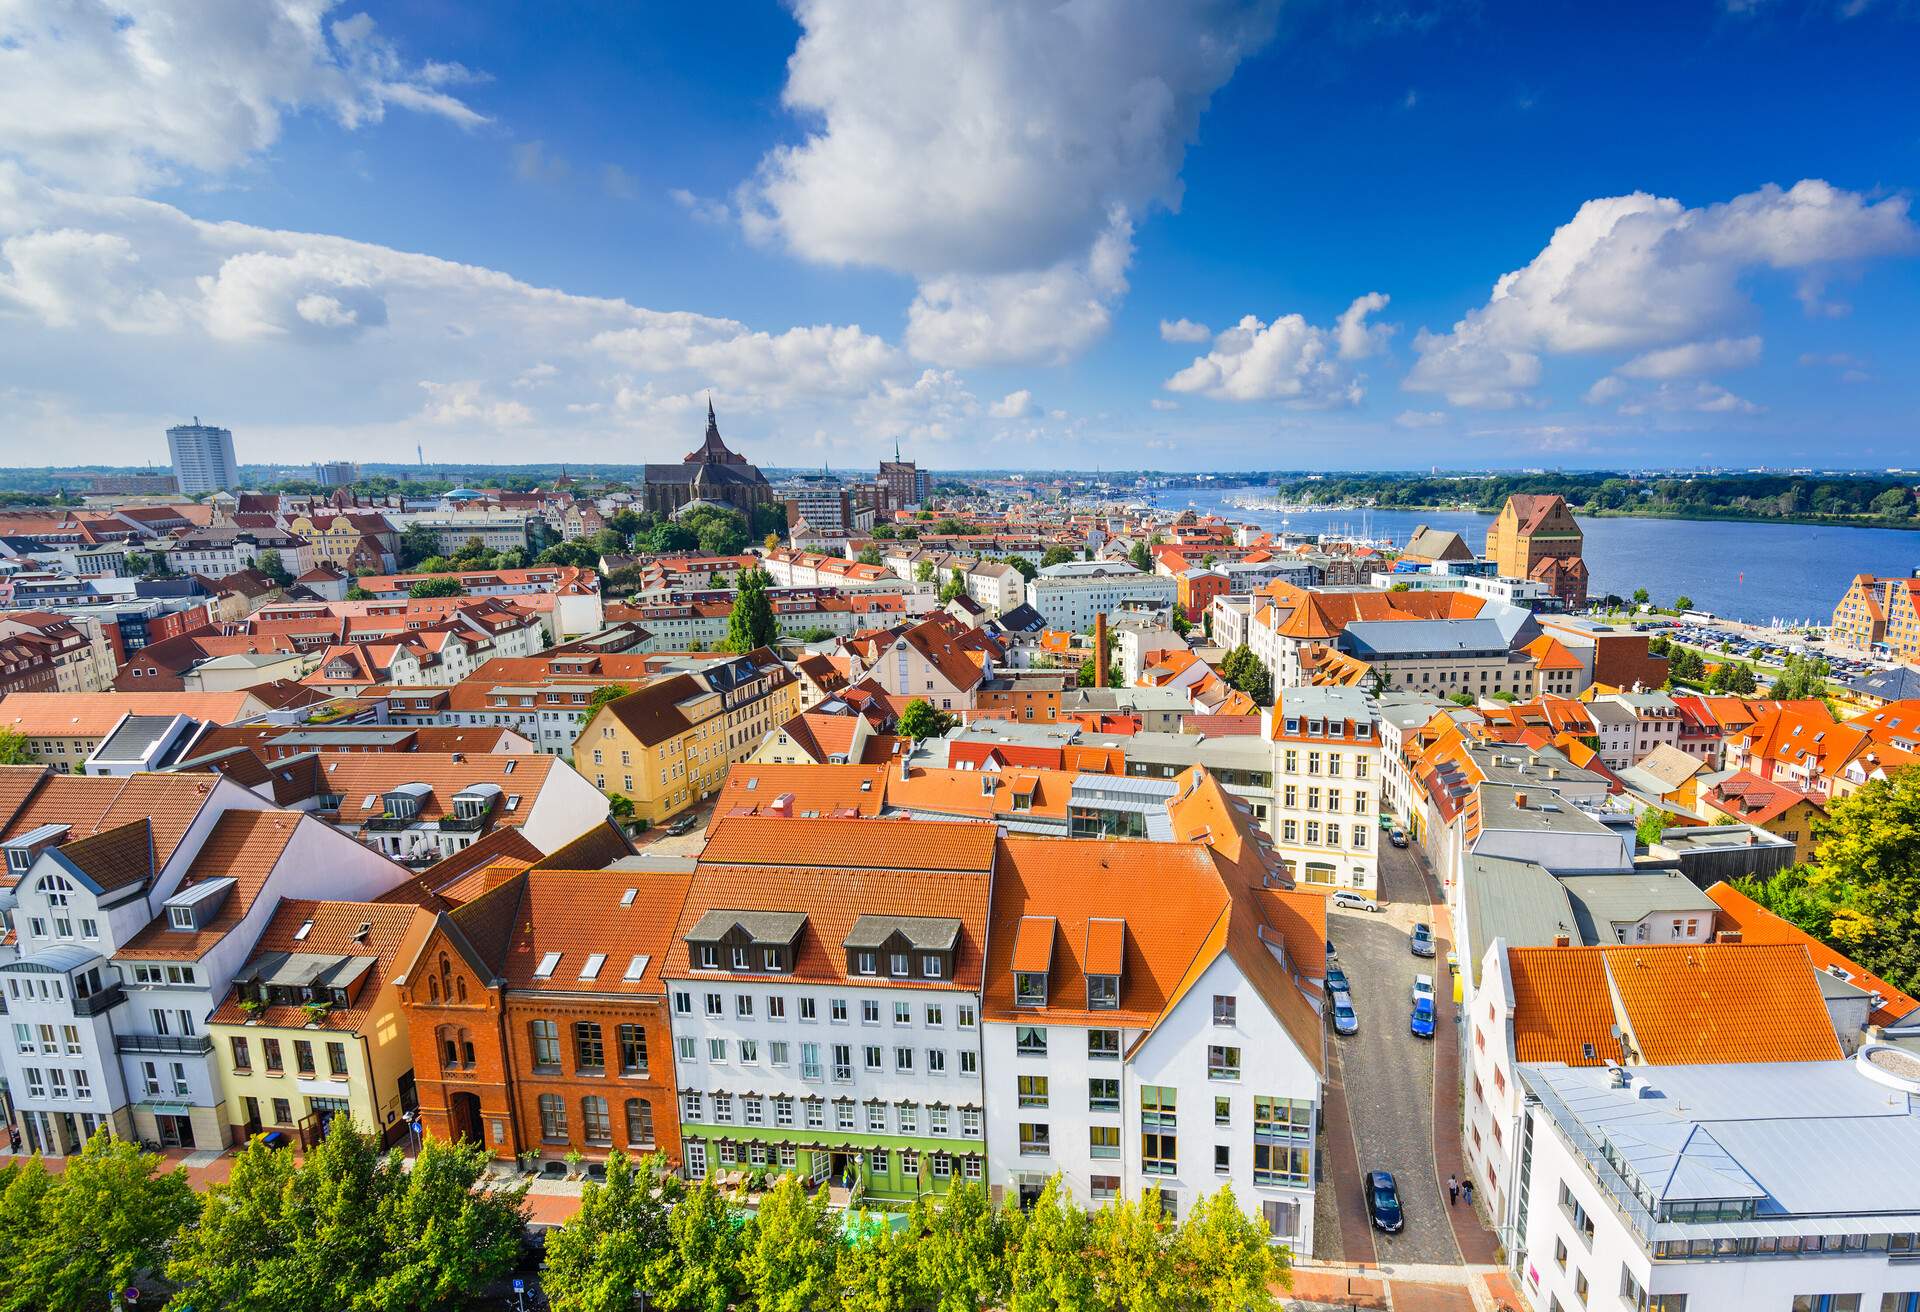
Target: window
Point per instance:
(1035, 1139)
(777, 1052)
(936, 1119)
(866, 963)
(1103, 992)
(270, 1054)
(964, 1016)
(1159, 1122)
(688, 1047)
(907, 1114)
(715, 1004)
(1103, 1095)
(1577, 1214)
(337, 1059)
(931, 966)
(933, 1014)
(749, 1050)
(1225, 1008)
(1223, 1063)
(1032, 1090)
(872, 1057)
(869, 1012)
(1223, 1111)
(970, 1122)
(1030, 1041)
(842, 1062)
(553, 1117)
(1102, 1045)
(595, 1120)
(969, 1061)
(1826, 1303)
(1222, 1160)
(303, 1056)
(1103, 1141)
(1103, 1186)
(810, 1061)
(1029, 988)
(282, 1112)
(776, 1007)
(633, 1050)
(546, 1044)
(843, 1114)
(723, 1108)
(743, 1006)
(589, 1049)
(682, 1003)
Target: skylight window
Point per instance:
(638, 966)
(547, 966)
(591, 970)
(626, 898)
(306, 928)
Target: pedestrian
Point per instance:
(1453, 1190)
(1466, 1191)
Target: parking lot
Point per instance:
(1388, 1074)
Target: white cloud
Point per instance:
(1420, 418)
(1287, 360)
(995, 150)
(533, 162)
(1637, 273)
(700, 207)
(1693, 358)
(1183, 330)
(258, 324)
(127, 94)
(1163, 403)
(1357, 338)
(935, 407)
(1697, 397)
(618, 183)
(1014, 405)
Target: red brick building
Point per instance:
(539, 1020)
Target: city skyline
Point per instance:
(1229, 238)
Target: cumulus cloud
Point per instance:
(996, 151)
(703, 208)
(1014, 405)
(1183, 330)
(1358, 339)
(274, 323)
(1693, 358)
(128, 94)
(1642, 273)
(1287, 360)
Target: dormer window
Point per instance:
(770, 959)
(931, 966)
(867, 963)
(1103, 992)
(739, 956)
(709, 954)
(180, 917)
(1029, 988)
(19, 859)
(898, 965)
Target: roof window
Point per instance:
(548, 964)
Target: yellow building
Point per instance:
(1767, 804)
(313, 1027)
(670, 744)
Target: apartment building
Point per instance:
(1175, 1048)
(1327, 787)
(418, 807)
(1881, 616)
(825, 984)
(134, 900)
(669, 744)
(539, 1020)
(77, 650)
(1072, 593)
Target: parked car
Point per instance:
(1353, 901)
(1337, 980)
(683, 825)
(1423, 987)
(1397, 836)
(1345, 1020)
(1421, 1024)
(1383, 1202)
(1421, 943)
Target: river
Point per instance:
(1758, 573)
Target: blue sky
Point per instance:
(1219, 235)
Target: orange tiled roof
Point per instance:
(92, 714)
(581, 913)
(92, 804)
(814, 790)
(243, 845)
(1759, 925)
(361, 778)
(960, 845)
(394, 935)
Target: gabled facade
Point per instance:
(1327, 787)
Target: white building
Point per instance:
(1072, 593)
(1794, 1185)
(202, 458)
(825, 989)
(421, 806)
(1326, 786)
(1146, 1021)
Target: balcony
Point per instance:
(104, 999)
(190, 1044)
(390, 824)
(469, 824)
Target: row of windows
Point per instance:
(596, 1120)
(780, 1053)
(1291, 830)
(1290, 797)
(1031, 1041)
(589, 1047)
(1335, 763)
(274, 1060)
(774, 1007)
(67, 1042)
(879, 1160)
(56, 1081)
(754, 1109)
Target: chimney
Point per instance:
(1520, 801)
(1100, 650)
(1562, 941)
(1727, 936)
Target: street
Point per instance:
(1388, 1073)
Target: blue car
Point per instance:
(1422, 1022)
(1383, 1202)
(1345, 1020)
(1337, 980)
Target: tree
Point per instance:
(357, 593)
(814, 633)
(1378, 680)
(869, 555)
(473, 554)
(268, 563)
(667, 539)
(615, 1244)
(959, 1251)
(15, 749)
(1020, 565)
(1141, 558)
(102, 1223)
(877, 1273)
(1641, 597)
(1225, 1260)
(923, 572)
(606, 692)
(138, 564)
(919, 720)
(1057, 556)
(1653, 822)
(955, 586)
(1181, 624)
(701, 1270)
(417, 542)
(751, 625)
(620, 807)
(442, 1233)
(1243, 670)
(247, 1249)
(440, 586)
(1860, 892)
(789, 1263)
(1801, 678)
(1051, 1264)
(771, 542)
(1683, 602)
(569, 553)
(1133, 1273)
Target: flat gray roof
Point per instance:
(1519, 901)
(1391, 638)
(1605, 900)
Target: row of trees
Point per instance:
(348, 1228)
(688, 1250)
